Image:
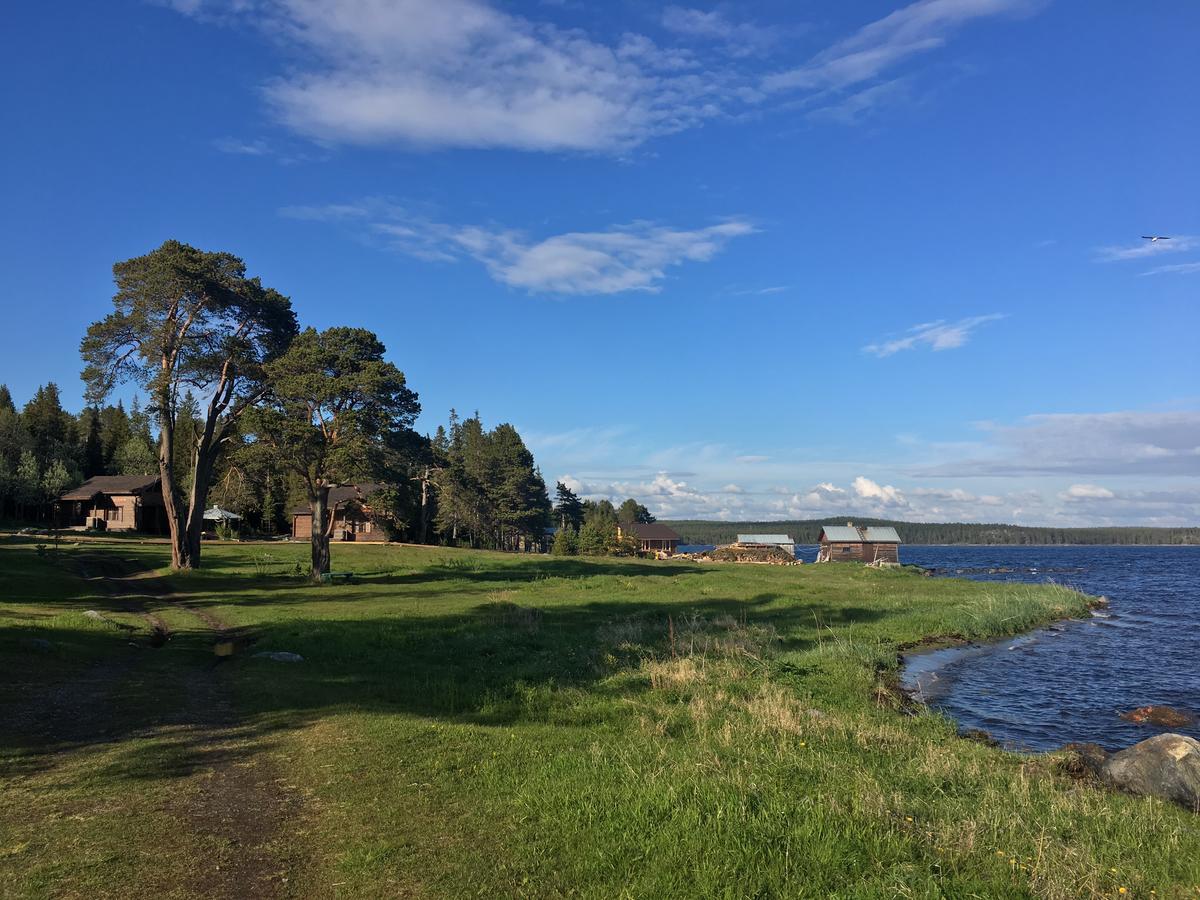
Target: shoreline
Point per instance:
(921, 671)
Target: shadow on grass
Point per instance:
(72, 686)
(495, 664)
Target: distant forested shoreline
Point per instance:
(697, 531)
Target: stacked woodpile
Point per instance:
(774, 556)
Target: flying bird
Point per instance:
(1154, 237)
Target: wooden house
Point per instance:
(115, 503)
(652, 538)
(766, 541)
(851, 543)
(351, 515)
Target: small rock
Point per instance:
(1166, 766)
(94, 614)
(1087, 759)
(979, 736)
(1160, 715)
(279, 656)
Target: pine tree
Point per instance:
(26, 483)
(631, 512)
(93, 446)
(568, 509)
(566, 542)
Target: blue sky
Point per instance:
(764, 259)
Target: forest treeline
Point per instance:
(806, 531)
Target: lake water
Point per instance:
(1071, 681)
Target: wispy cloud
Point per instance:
(1085, 444)
(737, 38)
(469, 73)
(760, 292)
(881, 45)
(939, 335)
(631, 257)
(1190, 268)
(238, 147)
(1145, 249)
(852, 108)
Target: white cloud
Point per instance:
(464, 73)
(1145, 249)
(914, 29)
(633, 257)
(882, 493)
(468, 73)
(1086, 492)
(1190, 268)
(939, 335)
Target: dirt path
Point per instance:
(227, 791)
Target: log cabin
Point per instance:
(851, 543)
(652, 538)
(351, 515)
(115, 503)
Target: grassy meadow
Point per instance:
(477, 724)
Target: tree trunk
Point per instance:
(204, 461)
(424, 524)
(176, 524)
(319, 504)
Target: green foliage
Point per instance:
(336, 407)
(56, 480)
(631, 512)
(134, 457)
(597, 537)
(94, 462)
(566, 542)
(599, 511)
(489, 491)
(568, 510)
(337, 413)
(186, 320)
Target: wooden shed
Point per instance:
(851, 543)
(351, 515)
(115, 503)
(652, 538)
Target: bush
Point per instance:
(566, 542)
(597, 538)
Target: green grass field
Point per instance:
(476, 724)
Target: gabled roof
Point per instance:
(841, 533)
(849, 534)
(764, 539)
(882, 534)
(111, 484)
(652, 531)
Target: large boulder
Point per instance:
(1165, 766)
